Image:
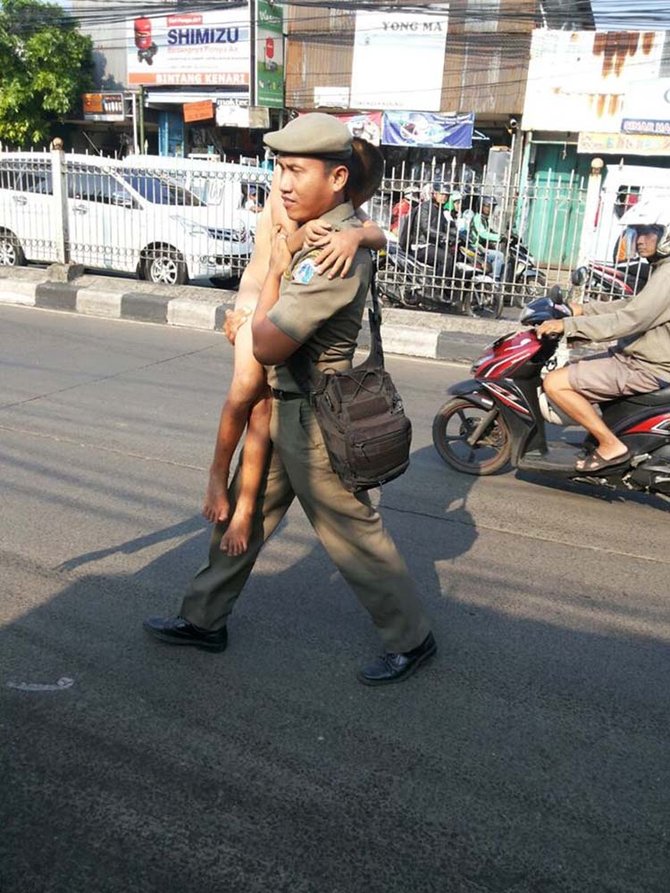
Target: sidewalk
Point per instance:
(438, 336)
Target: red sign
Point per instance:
(199, 111)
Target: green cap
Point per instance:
(313, 134)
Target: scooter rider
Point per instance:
(481, 237)
(431, 230)
(639, 363)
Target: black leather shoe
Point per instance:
(179, 631)
(392, 667)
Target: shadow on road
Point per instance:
(531, 755)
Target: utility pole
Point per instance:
(140, 115)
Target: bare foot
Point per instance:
(235, 540)
(216, 505)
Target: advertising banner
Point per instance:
(398, 61)
(428, 131)
(269, 55)
(366, 126)
(189, 48)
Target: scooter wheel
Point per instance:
(484, 301)
(453, 427)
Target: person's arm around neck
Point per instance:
(271, 345)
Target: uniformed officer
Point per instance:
(298, 306)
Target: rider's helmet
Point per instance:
(652, 216)
(489, 200)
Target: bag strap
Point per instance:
(312, 381)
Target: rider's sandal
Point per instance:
(594, 462)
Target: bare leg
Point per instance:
(247, 386)
(256, 447)
(558, 388)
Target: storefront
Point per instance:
(212, 81)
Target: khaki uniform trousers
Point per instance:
(347, 525)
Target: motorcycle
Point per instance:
(526, 281)
(522, 280)
(499, 416)
(618, 280)
(405, 281)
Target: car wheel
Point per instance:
(11, 253)
(164, 265)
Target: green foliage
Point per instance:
(45, 66)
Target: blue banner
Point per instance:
(428, 130)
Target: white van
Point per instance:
(239, 190)
(118, 217)
(623, 186)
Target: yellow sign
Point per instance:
(622, 144)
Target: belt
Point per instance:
(285, 395)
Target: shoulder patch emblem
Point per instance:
(304, 272)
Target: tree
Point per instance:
(45, 66)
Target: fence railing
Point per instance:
(533, 236)
(168, 220)
(174, 220)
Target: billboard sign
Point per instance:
(398, 61)
(269, 55)
(189, 49)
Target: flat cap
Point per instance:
(313, 134)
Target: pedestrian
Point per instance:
(299, 307)
(247, 403)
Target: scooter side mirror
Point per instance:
(578, 276)
(556, 294)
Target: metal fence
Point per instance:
(167, 220)
(174, 220)
(444, 254)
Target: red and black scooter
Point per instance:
(499, 416)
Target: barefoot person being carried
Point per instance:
(248, 402)
(299, 308)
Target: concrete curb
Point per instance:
(405, 332)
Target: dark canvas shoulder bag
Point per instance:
(360, 413)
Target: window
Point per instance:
(159, 191)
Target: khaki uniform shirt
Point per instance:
(323, 314)
(641, 323)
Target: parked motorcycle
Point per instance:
(617, 280)
(405, 281)
(522, 279)
(522, 276)
(499, 416)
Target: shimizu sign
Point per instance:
(398, 61)
(189, 49)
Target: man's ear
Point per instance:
(339, 177)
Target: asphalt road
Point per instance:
(530, 755)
